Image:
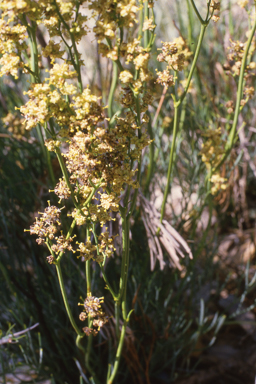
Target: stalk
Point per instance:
(65, 174)
(112, 89)
(65, 299)
(146, 16)
(239, 95)
(176, 113)
(151, 157)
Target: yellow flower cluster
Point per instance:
(215, 9)
(176, 55)
(236, 52)
(110, 16)
(47, 225)
(104, 248)
(47, 100)
(242, 3)
(98, 156)
(93, 310)
(60, 17)
(14, 125)
(11, 45)
(212, 151)
(235, 56)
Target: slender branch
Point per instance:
(167, 187)
(112, 89)
(239, 95)
(119, 350)
(177, 105)
(196, 11)
(146, 16)
(191, 72)
(65, 174)
(65, 299)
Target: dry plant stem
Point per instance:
(159, 106)
(232, 134)
(177, 104)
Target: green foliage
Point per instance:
(172, 310)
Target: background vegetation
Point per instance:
(178, 312)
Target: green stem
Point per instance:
(79, 342)
(109, 287)
(134, 198)
(88, 268)
(119, 350)
(190, 23)
(141, 20)
(124, 257)
(117, 317)
(52, 177)
(124, 272)
(65, 299)
(35, 79)
(169, 172)
(76, 61)
(191, 72)
(112, 89)
(107, 282)
(118, 354)
(65, 175)
(70, 231)
(239, 95)
(196, 11)
(132, 206)
(176, 112)
(118, 62)
(126, 267)
(146, 16)
(151, 157)
(88, 352)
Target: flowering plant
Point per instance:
(99, 147)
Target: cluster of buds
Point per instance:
(14, 125)
(215, 9)
(46, 225)
(92, 310)
(212, 151)
(218, 183)
(176, 55)
(235, 57)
